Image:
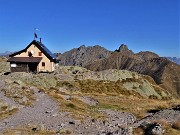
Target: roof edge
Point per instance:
(38, 45)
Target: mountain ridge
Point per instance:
(163, 71)
(83, 55)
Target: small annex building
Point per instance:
(34, 58)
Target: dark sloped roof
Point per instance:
(47, 50)
(41, 47)
(25, 59)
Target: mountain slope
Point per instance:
(83, 55)
(163, 71)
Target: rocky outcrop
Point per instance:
(115, 79)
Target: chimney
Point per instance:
(40, 40)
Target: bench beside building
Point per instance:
(34, 58)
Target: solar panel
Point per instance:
(47, 50)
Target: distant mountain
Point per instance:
(6, 54)
(163, 71)
(83, 55)
(174, 59)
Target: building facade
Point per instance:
(34, 58)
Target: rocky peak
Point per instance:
(124, 49)
(82, 47)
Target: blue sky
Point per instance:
(151, 25)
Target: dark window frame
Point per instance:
(43, 64)
(40, 53)
(30, 54)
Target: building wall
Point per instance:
(53, 66)
(21, 67)
(49, 66)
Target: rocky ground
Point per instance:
(76, 101)
(45, 115)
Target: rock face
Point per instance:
(83, 55)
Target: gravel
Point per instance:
(169, 115)
(45, 113)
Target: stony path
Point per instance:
(44, 112)
(169, 115)
(109, 126)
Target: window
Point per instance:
(43, 64)
(40, 53)
(29, 54)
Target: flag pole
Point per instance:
(35, 35)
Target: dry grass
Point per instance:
(7, 113)
(109, 95)
(134, 105)
(21, 95)
(6, 110)
(172, 131)
(4, 65)
(103, 87)
(176, 125)
(138, 131)
(76, 107)
(4, 59)
(164, 123)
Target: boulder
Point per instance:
(155, 129)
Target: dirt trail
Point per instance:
(44, 112)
